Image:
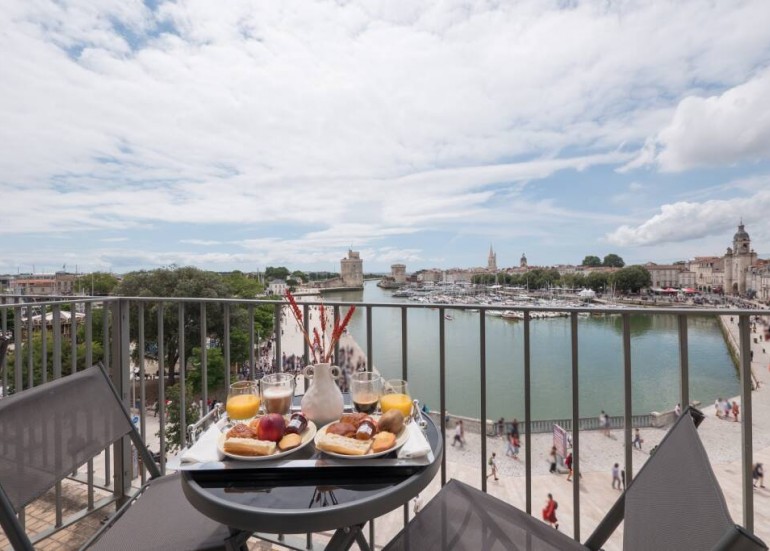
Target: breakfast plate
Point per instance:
(307, 436)
(401, 439)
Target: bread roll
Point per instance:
(249, 446)
(343, 445)
(383, 441)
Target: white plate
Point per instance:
(307, 436)
(401, 439)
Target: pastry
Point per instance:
(241, 430)
(342, 428)
(290, 441)
(383, 441)
(392, 421)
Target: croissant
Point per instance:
(241, 431)
(343, 429)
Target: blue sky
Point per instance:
(245, 134)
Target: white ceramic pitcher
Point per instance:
(322, 403)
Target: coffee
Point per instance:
(365, 403)
(277, 400)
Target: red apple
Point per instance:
(271, 427)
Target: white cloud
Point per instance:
(713, 131)
(683, 221)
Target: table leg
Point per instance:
(345, 537)
(237, 540)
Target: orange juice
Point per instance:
(401, 402)
(242, 406)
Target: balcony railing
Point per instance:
(113, 330)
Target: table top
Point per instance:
(311, 494)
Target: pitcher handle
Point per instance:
(335, 372)
(308, 372)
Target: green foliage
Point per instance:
(632, 279)
(215, 372)
(176, 282)
(243, 286)
(597, 281)
(174, 428)
(96, 283)
(276, 273)
(37, 359)
(613, 261)
(592, 261)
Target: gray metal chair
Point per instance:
(673, 503)
(48, 431)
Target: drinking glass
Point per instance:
(395, 395)
(242, 401)
(277, 392)
(365, 390)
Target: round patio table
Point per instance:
(313, 493)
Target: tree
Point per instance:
(96, 283)
(243, 286)
(215, 372)
(613, 261)
(299, 276)
(632, 279)
(176, 282)
(597, 281)
(592, 261)
(174, 428)
(276, 273)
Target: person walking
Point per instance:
(736, 410)
(616, 477)
(678, 410)
(719, 407)
(552, 460)
(515, 427)
(516, 446)
(501, 427)
(493, 464)
(509, 450)
(459, 434)
(758, 474)
(549, 512)
(638, 440)
(568, 463)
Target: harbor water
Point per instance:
(654, 357)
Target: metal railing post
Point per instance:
(684, 364)
(627, 397)
(747, 447)
(204, 367)
(483, 399)
(527, 415)
(120, 373)
(575, 427)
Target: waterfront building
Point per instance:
(59, 283)
(665, 275)
(277, 287)
(737, 261)
(398, 273)
(709, 273)
(352, 270)
(523, 261)
(492, 261)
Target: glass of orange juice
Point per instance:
(242, 401)
(395, 395)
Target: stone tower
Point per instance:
(492, 260)
(737, 262)
(523, 261)
(352, 270)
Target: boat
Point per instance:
(448, 317)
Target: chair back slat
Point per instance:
(48, 431)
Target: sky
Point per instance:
(244, 134)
